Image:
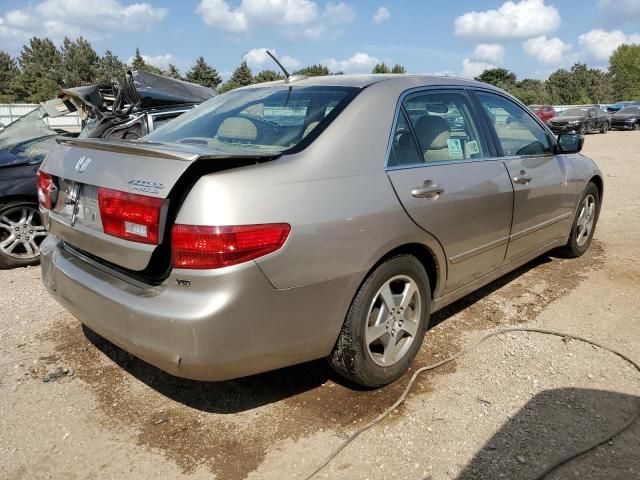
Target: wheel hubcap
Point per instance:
(21, 232)
(586, 218)
(393, 320)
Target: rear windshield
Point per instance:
(272, 119)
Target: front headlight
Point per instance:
(630, 120)
(574, 122)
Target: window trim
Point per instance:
(480, 128)
(553, 143)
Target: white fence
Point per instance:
(10, 112)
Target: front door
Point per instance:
(442, 171)
(543, 196)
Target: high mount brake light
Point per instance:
(205, 247)
(46, 190)
(130, 216)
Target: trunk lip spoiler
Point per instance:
(160, 150)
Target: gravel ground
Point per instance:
(74, 406)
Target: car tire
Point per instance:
(377, 344)
(636, 126)
(579, 241)
(14, 254)
(582, 130)
(604, 128)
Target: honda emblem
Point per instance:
(82, 164)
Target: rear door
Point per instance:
(544, 198)
(450, 182)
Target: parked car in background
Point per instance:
(315, 217)
(580, 120)
(543, 112)
(627, 118)
(620, 105)
(129, 109)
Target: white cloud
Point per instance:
(600, 44)
(548, 51)
(93, 19)
(524, 19)
(471, 69)
(381, 15)
(258, 59)
(489, 52)
(358, 63)
(160, 61)
(619, 12)
(299, 17)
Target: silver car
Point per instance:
(308, 218)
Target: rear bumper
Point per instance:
(228, 323)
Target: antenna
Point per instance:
(284, 70)
(288, 77)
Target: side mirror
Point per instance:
(570, 143)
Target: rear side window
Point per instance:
(442, 128)
(273, 119)
(518, 133)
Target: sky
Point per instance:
(460, 38)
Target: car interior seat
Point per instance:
(433, 132)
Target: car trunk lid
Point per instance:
(139, 174)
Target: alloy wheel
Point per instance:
(21, 232)
(586, 218)
(393, 320)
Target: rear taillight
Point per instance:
(46, 190)
(197, 246)
(130, 216)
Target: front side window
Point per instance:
(518, 133)
(440, 126)
(272, 119)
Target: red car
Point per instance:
(543, 112)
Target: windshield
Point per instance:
(574, 112)
(630, 110)
(270, 119)
(28, 127)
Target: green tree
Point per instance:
(109, 67)
(41, 71)
(139, 63)
(267, 76)
(79, 62)
(242, 75)
(381, 68)
(173, 72)
(313, 71)
(397, 68)
(204, 74)
(8, 75)
(624, 66)
(580, 85)
(531, 91)
(228, 85)
(499, 77)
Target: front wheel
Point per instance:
(21, 232)
(636, 126)
(584, 223)
(385, 325)
(604, 128)
(582, 130)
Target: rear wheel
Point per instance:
(385, 325)
(21, 232)
(584, 223)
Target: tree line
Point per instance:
(578, 85)
(41, 69)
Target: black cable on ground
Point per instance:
(466, 351)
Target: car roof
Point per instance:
(365, 80)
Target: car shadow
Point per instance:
(556, 424)
(233, 396)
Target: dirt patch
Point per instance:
(229, 426)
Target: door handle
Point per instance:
(428, 191)
(523, 178)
